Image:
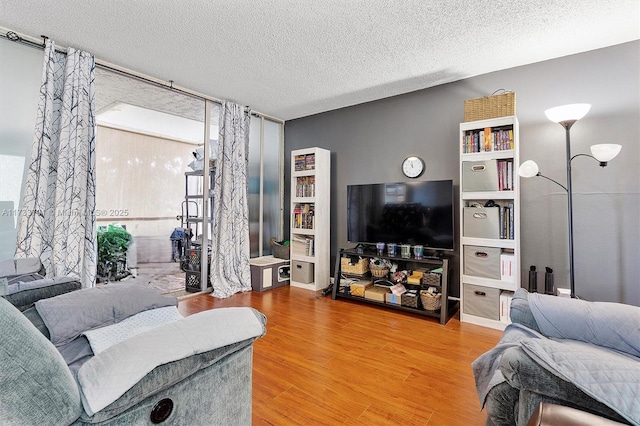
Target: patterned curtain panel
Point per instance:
(230, 269)
(57, 223)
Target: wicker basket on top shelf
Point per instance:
(359, 268)
(501, 105)
(379, 271)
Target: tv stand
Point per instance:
(448, 307)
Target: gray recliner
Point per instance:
(528, 384)
(210, 387)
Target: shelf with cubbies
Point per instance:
(310, 210)
(489, 219)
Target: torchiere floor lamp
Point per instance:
(566, 116)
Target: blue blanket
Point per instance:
(593, 345)
(612, 325)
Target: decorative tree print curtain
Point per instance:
(57, 223)
(230, 269)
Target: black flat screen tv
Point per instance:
(418, 212)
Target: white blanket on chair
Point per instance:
(105, 337)
(108, 375)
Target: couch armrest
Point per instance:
(109, 375)
(523, 373)
(164, 377)
(24, 295)
(520, 312)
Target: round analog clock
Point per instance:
(413, 166)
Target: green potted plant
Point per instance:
(113, 242)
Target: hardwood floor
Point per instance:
(328, 362)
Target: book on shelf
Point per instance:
(505, 219)
(300, 163)
(310, 162)
(511, 219)
(303, 245)
(303, 216)
(505, 175)
(488, 139)
(305, 186)
(505, 304)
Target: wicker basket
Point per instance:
(430, 302)
(361, 267)
(501, 105)
(430, 279)
(379, 271)
(410, 299)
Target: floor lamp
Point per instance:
(566, 116)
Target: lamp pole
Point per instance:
(566, 116)
(567, 125)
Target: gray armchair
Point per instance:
(211, 385)
(570, 369)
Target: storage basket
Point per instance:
(409, 299)
(430, 302)
(280, 251)
(360, 267)
(379, 271)
(431, 279)
(493, 106)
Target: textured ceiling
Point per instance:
(290, 59)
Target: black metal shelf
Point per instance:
(434, 314)
(448, 307)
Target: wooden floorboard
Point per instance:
(328, 362)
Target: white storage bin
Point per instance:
(481, 222)
(481, 301)
(479, 175)
(301, 272)
(482, 261)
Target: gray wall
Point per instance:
(369, 141)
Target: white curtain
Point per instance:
(230, 269)
(57, 222)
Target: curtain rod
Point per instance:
(40, 44)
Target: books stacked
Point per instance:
(300, 163)
(505, 305)
(303, 217)
(488, 139)
(505, 175)
(306, 186)
(310, 161)
(302, 245)
(305, 162)
(506, 222)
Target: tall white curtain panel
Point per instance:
(230, 269)
(57, 222)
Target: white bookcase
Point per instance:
(490, 236)
(310, 218)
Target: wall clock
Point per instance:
(413, 166)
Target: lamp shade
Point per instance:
(605, 151)
(571, 112)
(528, 169)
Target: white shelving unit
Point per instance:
(310, 218)
(479, 294)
